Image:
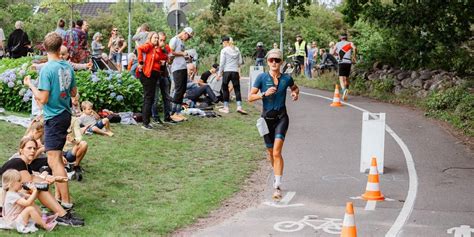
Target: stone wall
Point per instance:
(421, 81)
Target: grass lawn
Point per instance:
(149, 183)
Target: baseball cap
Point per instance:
(225, 38)
(189, 30)
(275, 53)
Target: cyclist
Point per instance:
(271, 87)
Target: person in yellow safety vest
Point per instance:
(301, 52)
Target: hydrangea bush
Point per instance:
(105, 89)
(110, 90)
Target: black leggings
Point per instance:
(149, 89)
(228, 77)
(277, 129)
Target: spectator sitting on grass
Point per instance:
(194, 89)
(20, 210)
(28, 147)
(92, 122)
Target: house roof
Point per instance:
(91, 8)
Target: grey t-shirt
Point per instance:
(179, 63)
(140, 38)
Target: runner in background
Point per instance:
(346, 51)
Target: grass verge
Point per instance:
(454, 105)
(149, 183)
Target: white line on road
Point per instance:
(413, 177)
(287, 198)
(370, 206)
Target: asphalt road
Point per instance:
(322, 158)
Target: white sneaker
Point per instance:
(224, 110)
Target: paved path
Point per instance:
(322, 155)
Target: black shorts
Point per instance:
(70, 157)
(344, 69)
(55, 131)
(300, 59)
(277, 129)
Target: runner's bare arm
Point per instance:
(253, 96)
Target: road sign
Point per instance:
(373, 140)
(176, 19)
(254, 72)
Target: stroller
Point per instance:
(328, 63)
(99, 63)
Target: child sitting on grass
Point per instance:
(92, 122)
(19, 209)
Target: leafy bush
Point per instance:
(105, 89)
(446, 100)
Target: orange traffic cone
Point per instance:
(372, 191)
(336, 101)
(348, 225)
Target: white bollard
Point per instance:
(373, 141)
(253, 74)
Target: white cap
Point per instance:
(188, 30)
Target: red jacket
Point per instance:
(146, 57)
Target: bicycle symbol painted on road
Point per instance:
(328, 225)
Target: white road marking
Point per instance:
(413, 177)
(370, 206)
(284, 201)
(274, 204)
(287, 198)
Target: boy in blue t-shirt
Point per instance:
(56, 87)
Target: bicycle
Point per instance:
(292, 66)
(328, 225)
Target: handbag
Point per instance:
(16, 49)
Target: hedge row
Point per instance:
(105, 89)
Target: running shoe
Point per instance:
(276, 194)
(345, 94)
(69, 220)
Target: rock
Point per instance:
(398, 90)
(414, 75)
(421, 94)
(376, 66)
(402, 76)
(397, 82)
(385, 67)
(417, 83)
(435, 85)
(406, 83)
(438, 77)
(427, 84)
(425, 75)
(373, 76)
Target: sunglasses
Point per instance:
(274, 60)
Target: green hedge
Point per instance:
(105, 89)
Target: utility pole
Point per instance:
(129, 27)
(281, 19)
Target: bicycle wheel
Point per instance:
(288, 226)
(332, 226)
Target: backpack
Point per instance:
(71, 41)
